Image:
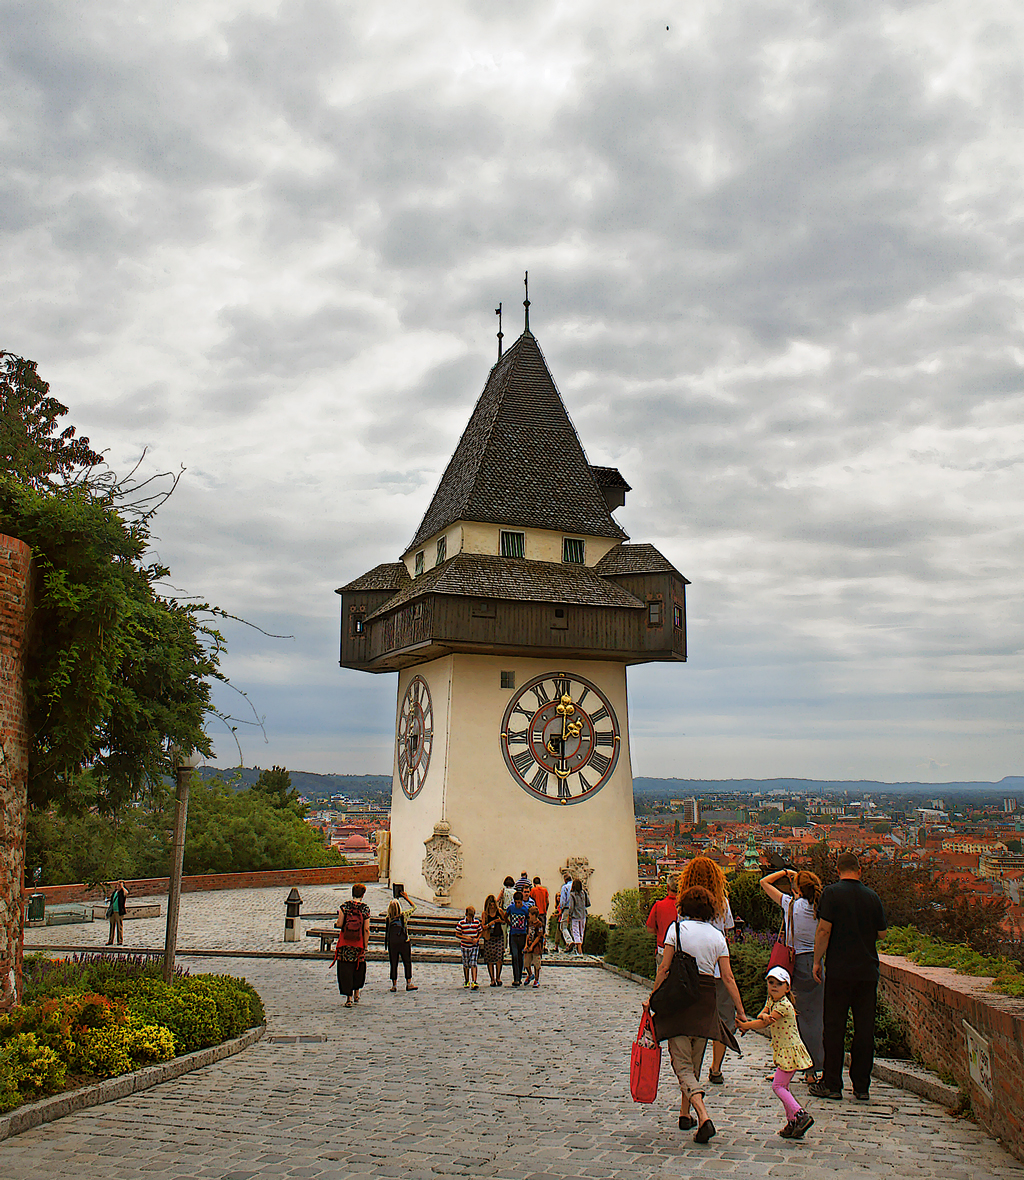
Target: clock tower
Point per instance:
(510, 620)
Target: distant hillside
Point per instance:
(323, 786)
(681, 787)
(309, 785)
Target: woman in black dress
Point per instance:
(353, 922)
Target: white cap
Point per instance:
(779, 973)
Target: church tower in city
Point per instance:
(510, 620)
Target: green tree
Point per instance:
(115, 671)
(276, 785)
(29, 443)
(244, 832)
(750, 902)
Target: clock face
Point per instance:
(415, 736)
(560, 738)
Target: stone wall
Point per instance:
(957, 1026)
(15, 605)
(286, 878)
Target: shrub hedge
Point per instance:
(93, 1015)
(595, 936)
(632, 949)
(932, 952)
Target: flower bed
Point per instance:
(92, 1016)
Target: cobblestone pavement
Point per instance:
(511, 1084)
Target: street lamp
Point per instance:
(184, 764)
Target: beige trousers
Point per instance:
(686, 1055)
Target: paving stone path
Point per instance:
(503, 1083)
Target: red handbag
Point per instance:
(645, 1062)
(783, 955)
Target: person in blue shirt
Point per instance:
(518, 917)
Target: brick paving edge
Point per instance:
(24, 1118)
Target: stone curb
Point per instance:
(904, 1074)
(24, 1118)
(907, 1075)
(550, 960)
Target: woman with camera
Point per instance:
(799, 922)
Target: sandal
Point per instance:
(715, 1077)
(348, 1003)
(394, 987)
(411, 987)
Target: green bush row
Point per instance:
(931, 952)
(632, 949)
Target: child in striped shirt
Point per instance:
(469, 931)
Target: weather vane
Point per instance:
(526, 301)
(501, 334)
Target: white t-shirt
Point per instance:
(724, 921)
(804, 924)
(702, 940)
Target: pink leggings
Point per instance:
(780, 1087)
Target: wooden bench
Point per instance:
(432, 932)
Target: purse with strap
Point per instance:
(681, 987)
(784, 952)
(645, 1062)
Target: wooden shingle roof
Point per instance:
(483, 575)
(519, 461)
(636, 559)
(392, 575)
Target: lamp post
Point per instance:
(183, 767)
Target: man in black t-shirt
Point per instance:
(850, 922)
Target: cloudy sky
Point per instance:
(775, 262)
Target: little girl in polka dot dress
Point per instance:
(779, 1016)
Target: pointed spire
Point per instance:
(501, 334)
(526, 302)
(519, 461)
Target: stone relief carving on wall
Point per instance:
(579, 866)
(443, 862)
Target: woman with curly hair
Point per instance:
(702, 871)
(800, 918)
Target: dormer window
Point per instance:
(574, 550)
(418, 565)
(442, 550)
(513, 544)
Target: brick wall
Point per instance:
(285, 878)
(934, 1003)
(15, 605)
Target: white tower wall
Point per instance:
(502, 828)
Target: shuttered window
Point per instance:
(574, 550)
(513, 544)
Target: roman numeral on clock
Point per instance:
(561, 686)
(522, 761)
(563, 789)
(605, 738)
(539, 782)
(540, 693)
(599, 762)
(517, 736)
(584, 785)
(600, 715)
